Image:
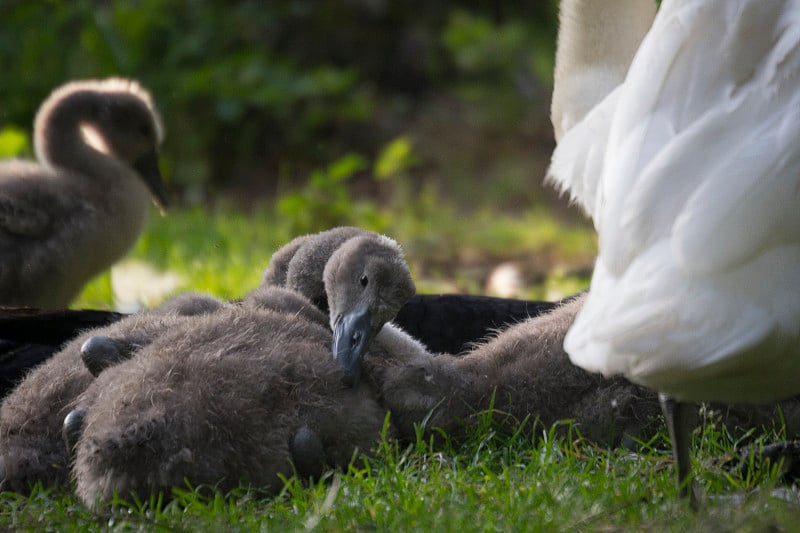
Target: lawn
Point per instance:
(489, 483)
(532, 481)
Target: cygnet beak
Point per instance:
(147, 167)
(351, 336)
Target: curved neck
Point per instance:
(111, 187)
(61, 143)
(597, 40)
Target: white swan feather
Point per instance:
(696, 199)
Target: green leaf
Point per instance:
(346, 166)
(396, 157)
(13, 142)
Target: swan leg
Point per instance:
(678, 417)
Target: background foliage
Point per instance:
(256, 95)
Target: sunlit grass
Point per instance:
(224, 251)
(531, 481)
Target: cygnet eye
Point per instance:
(364, 280)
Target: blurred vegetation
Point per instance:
(256, 94)
(427, 120)
(224, 252)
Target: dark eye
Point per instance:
(364, 280)
(144, 129)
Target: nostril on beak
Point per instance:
(356, 339)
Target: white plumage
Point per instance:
(691, 171)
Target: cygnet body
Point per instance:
(274, 330)
(32, 415)
(83, 205)
(248, 393)
(245, 395)
(524, 373)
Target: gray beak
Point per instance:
(351, 335)
(147, 167)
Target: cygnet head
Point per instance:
(116, 117)
(367, 282)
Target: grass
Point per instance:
(224, 251)
(530, 481)
(491, 482)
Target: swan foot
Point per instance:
(787, 454)
(308, 454)
(100, 352)
(72, 429)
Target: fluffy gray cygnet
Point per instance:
(81, 207)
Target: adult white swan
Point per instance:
(691, 171)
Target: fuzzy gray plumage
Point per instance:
(224, 404)
(82, 206)
(524, 372)
(349, 271)
(300, 264)
(31, 416)
(271, 333)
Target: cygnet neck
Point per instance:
(106, 183)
